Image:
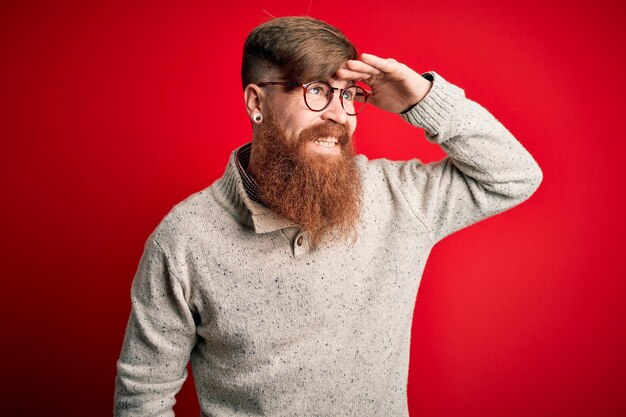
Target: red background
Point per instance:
(110, 113)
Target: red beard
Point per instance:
(319, 192)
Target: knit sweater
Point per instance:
(273, 328)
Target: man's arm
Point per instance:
(486, 171)
(158, 341)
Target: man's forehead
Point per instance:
(336, 82)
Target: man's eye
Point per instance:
(348, 95)
(316, 90)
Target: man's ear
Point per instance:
(253, 96)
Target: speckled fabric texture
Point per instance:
(275, 329)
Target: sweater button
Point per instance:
(299, 241)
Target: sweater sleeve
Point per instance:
(159, 337)
(486, 170)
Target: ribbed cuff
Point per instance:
(436, 108)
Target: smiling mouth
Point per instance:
(327, 145)
(327, 142)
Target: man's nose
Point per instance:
(335, 112)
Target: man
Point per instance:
(290, 282)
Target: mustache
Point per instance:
(324, 130)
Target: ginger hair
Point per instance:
(300, 49)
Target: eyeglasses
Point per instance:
(319, 94)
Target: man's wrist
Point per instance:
(429, 77)
(436, 108)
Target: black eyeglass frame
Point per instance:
(366, 93)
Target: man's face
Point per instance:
(305, 165)
(293, 115)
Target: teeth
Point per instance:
(327, 143)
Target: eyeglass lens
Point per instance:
(319, 94)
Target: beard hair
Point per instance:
(321, 193)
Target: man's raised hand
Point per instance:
(395, 87)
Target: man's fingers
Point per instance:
(347, 74)
(384, 65)
(362, 67)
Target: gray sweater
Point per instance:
(275, 329)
